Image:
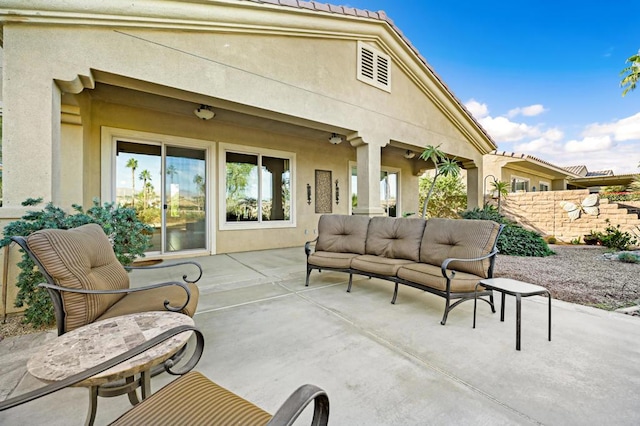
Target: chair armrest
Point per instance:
(127, 290)
(298, 401)
(307, 246)
(184, 277)
(105, 365)
(445, 263)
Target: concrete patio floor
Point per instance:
(381, 364)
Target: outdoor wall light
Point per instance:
(335, 139)
(337, 193)
(204, 112)
(409, 154)
(309, 194)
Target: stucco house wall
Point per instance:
(277, 77)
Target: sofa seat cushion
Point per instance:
(395, 238)
(460, 239)
(378, 264)
(153, 300)
(329, 259)
(431, 276)
(342, 233)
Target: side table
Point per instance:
(516, 288)
(87, 346)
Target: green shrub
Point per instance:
(615, 239)
(627, 257)
(514, 239)
(551, 240)
(129, 236)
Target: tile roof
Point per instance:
(532, 158)
(601, 173)
(381, 16)
(575, 169)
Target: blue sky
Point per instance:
(541, 77)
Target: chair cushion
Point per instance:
(461, 239)
(329, 259)
(153, 300)
(342, 233)
(395, 238)
(431, 276)
(194, 400)
(378, 264)
(80, 258)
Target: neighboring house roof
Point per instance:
(379, 15)
(536, 164)
(577, 170)
(600, 173)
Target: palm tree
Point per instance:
(444, 166)
(631, 74)
(133, 165)
(502, 188)
(172, 172)
(145, 176)
(199, 181)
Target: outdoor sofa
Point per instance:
(446, 257)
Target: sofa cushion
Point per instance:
(80, 258)
(378, 264)
(395, 238)
(342, 233)
(329, 259)
(459, 238)
(431, 276)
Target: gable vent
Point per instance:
(374, 67)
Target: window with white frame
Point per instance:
(544, 186)
(257, 186)
(519, 184)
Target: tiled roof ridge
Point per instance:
(379, 15)
(529, 157)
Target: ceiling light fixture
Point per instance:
(204, 112)
(335, 139)
(409, 154)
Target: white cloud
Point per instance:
(502, 129)
(477, 109)
(590, 144)
(547, 143)
(625, 129)
(528, 111)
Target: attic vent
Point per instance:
(374, 67)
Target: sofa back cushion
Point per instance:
(342, 233)
(461, 239)
(395, 238)
(80, 258)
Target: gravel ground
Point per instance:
(577, 274)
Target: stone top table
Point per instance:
(94, 343)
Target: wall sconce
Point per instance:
(335, 139)
(337, 193)
(309, 194)
(204, 112)
(409, 154)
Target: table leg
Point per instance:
(146, 384)
(93, 405)
(502, 307)
(133, 395)
(518, 313)
(549, 297)
(475, 304)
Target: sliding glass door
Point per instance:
(166, 185)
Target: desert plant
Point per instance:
(448, 198)
(575, 241)
(514, 239)
(502, 188)
(444, 166)
(615, 239)
(628, 257)
(129, 236)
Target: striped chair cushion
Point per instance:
(461, 239)
(194, 400)
(80, 258)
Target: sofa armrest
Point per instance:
(127, 290)
(307, 246)
(83, 375)
(170, 265)
(446, 262)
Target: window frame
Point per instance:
(519, 178)
(547, 184)
(223, 225)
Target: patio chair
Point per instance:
(87, 283)
(192, 399)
